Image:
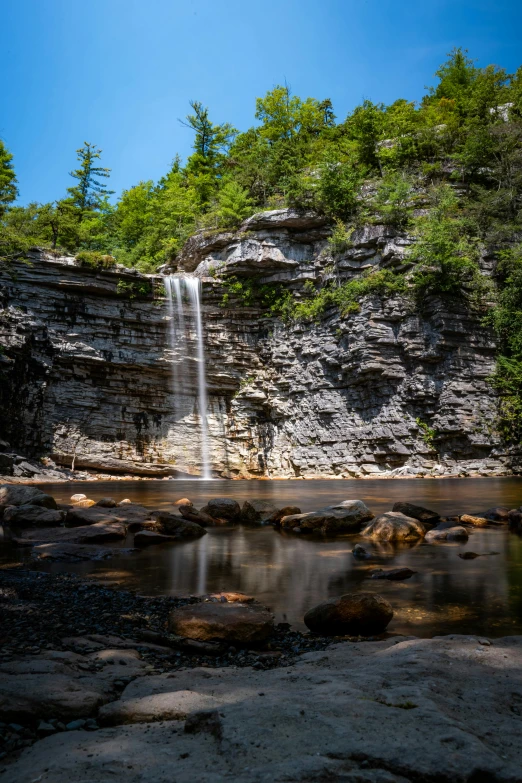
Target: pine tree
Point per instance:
(8, 188)
(88, 194)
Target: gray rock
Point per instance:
(75, 725)
(150, 538)
(254, 512)
(19, 495)
(455, 533)
(173, 525)
(231, 622)
(424, 515)
(30, 515)
(347, 516)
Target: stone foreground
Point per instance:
(405, 709)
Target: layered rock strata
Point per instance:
(390, 390)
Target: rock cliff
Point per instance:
(389, 390)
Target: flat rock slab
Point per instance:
(129, 514)
(95, 533)
(395, 711)
(174, 705)
(228, 621)
(73, 553)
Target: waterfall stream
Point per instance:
(180, 292)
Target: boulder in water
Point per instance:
(16, 495)
(76, 498)
(173, 525)
(255, 512)
(347, 516)
(454, 533)
(394, 526)
(497, 514)
(106, 503)
(29, 515)
(183, 502)
(277, 516)
(424, 515)
(223, 508)
(200, 517)
(228, 621)
(468, 519)
(149, 538)
(353, 613)
(394, 574)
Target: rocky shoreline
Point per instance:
(92, 688)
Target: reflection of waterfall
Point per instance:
(179, 288)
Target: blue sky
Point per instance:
(119, 73)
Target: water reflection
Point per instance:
(291, 573)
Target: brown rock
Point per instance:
(200, 517)
(87, 503)
(467, 519)
(183, 502)
(353, 613)
(216, 621)
(124, 502)
(233, 598)
(106, 503)
(468, 555)
(394, 526)
(395, 574)
(287, 511)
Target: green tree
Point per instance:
(88, 194)
(8, 184)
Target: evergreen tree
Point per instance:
(8, 184)
(88, 194)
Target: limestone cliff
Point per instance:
(87, 369)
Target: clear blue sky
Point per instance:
(119, 73)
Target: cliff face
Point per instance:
(87, 371)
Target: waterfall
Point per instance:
(181, 345)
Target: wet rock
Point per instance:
(360, 552)
(354, 613)
(74, 553)
(347, 516)
(150, 538)
(200, 517)
(207, 721)
(102, 531)
(233, 622)
(242, 598)
(394, 526)
(468, 555)
(76, 498)
(468, 519)
(180, 527)
(30, 515)
(86, 503)
(454, 533)
(19, 495)
(515, 519)
(420, 513)
(223, 508)
(183, 502)
(395, 574)
(254, 512)
(497, 514)
(132, 515)
(106, 503)
(277, 516)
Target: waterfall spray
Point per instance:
(175, 286)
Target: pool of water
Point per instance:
(292, 573)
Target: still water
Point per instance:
(291, 573)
